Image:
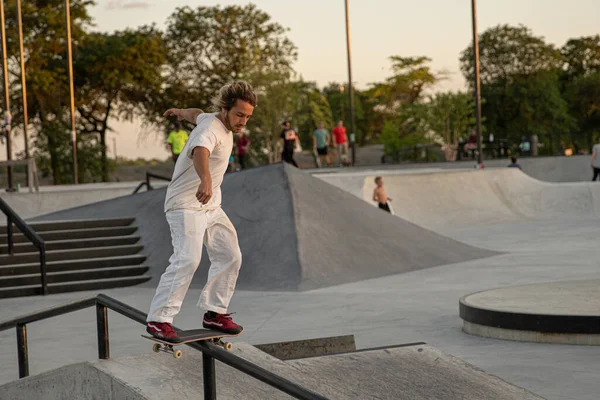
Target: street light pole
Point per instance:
(7, 118)
(73, 132)
(23, 80)
(350, 89)
(477, 81)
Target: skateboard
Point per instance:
(189, 336)
(391, 209)
(316, 159)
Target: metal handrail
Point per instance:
(147, 181)
(210, 351)
(13, 218)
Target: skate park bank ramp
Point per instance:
(296, 232)
(442, 200)
(405, 372)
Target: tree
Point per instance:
(581, 56)
(211, 46)
(117, 76)
(520, 86)
(412, 76)
(46, 65)
(506, 52)
(581, 86)
(451, 116)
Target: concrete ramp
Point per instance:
(412, 372)
(296, 232)
(439, 200)
(76, 381)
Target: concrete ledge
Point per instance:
(554, 312)
(309, 348)
(530, 336)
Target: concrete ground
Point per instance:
(410, 307)
(415, 306)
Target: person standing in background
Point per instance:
(242, 149)
(289, 141)
(341, 143)
(321, 140)
(176, 140)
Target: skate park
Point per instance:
(320, 261)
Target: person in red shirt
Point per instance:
(341, 142)
(242, 149)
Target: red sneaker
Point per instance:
(221, 322)
(162, 330)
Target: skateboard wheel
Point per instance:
(227, 346)
(156, 348)
(177, 354)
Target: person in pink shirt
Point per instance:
(341, 142)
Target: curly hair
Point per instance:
(232, 92)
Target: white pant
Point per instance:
(189, 229)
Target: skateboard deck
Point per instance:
(391, 209)
(316, 159)
(189, 336)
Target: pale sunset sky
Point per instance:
(438, 29)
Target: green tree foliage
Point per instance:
(581, 56)
(451, 115)
(46, 65)
(581, 87)
(506, 52)
(211, 46)
(519, 75)
(53, 155)
(117, 76)
(400, 101)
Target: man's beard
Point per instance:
(229, 126)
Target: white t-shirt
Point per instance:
(211, 134)
(596, 162)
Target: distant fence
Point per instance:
(552, 144)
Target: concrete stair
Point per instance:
(80, 255)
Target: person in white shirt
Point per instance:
(193, 211)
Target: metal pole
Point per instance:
(43, 277)
(102, 325)
(23, 80)
(73, 133)
(6, 97)
(9, 234)
(350, 90)
(22, 351)
(477, 81)
(209, 379)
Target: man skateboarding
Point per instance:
(193, 211)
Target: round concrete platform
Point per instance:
(556, 312)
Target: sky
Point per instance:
(438, 29)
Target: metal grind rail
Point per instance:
(210, 352)
(13, 218)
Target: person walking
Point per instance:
(242, 149)
(289, 141)
(341, 143)
(176, 140)
(193, 211)
(321, 140)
